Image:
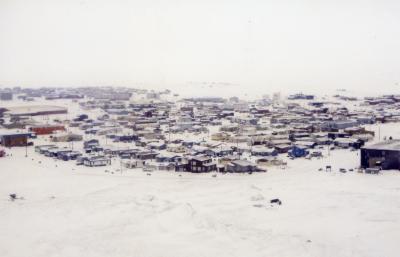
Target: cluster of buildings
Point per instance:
(156, 131)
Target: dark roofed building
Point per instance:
(201, 164)
(385, 155)
(14, 139)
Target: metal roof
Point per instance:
(389, 145)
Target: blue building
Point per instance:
(298, 151)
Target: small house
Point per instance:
(96, 161)
(70, 137)
(164, 157)
(146, 155)
(241, 166)
(126, 138)
(334, 135)
(69, 155)
(132, 164)
(270, 161)
(176, 148)
(283, 148)
(128, 153)
(263, 151)
(41, 148)
(348, 142)
(165, 166)
(220, 151)
(56, 152)
(156, 145)
(91, 143)
(200, 164)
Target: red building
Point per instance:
(46, 129)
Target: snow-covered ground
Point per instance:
(76, 211)
(71, 210)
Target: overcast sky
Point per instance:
(292, 45)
